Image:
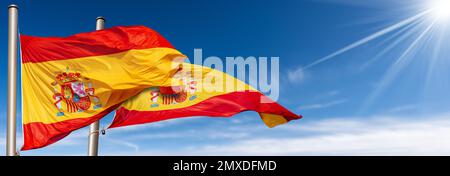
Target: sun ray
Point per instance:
(368, 39)
(399, 36)
(402, 61)
(436, 68)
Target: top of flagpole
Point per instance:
(101, 17)
(13, 6)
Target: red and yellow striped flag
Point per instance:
(203, 92)
(68, 83)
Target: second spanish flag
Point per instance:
(68, 83)
(202, 91)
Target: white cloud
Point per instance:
(374, 135)
(2, 143)
(296, 76)
(160, 124)
(224, 133)
(328, 94)
(403, 108)
(132, 145)
(322, 105)
(378, 135)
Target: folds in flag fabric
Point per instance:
(68, 83)
(203, 91)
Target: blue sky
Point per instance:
(384, 95)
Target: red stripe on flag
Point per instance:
(102, 42)
(51, 133)
(219, 106)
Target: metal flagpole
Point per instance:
(94, 127)
(12, 80)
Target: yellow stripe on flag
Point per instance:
(134, 69)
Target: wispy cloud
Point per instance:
(2, 143)
(156, 125)
(224, 133)
(327, 94)
(296, 76)
(378, 135)
(132, 145)
(322, 105)
(372, 135)
(403, 108)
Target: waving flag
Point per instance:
(68, 83)
(202, 92)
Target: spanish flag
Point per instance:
(68, 83)
(203, 91)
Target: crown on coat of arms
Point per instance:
(68, 76)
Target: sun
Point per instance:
(439, 9)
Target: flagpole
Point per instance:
(94, 127)
(12, 80)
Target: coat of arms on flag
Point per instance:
(174, 94)
(75, 91)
